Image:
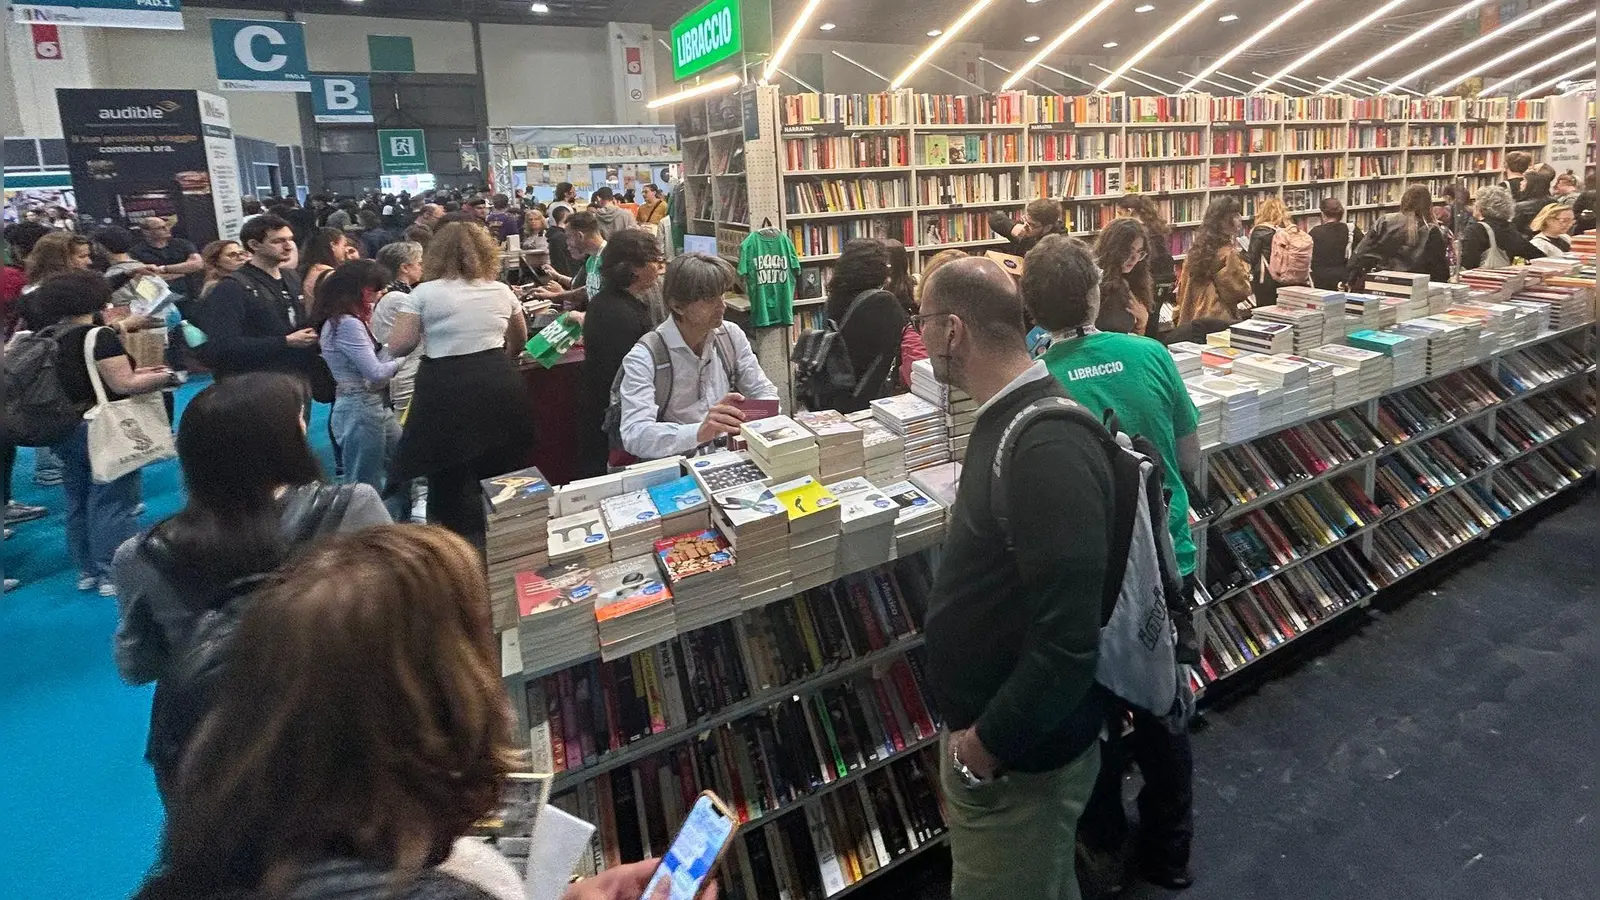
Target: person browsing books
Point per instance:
(618, 316)
(712, 367)
(1332, 244)
(1135, 378)
(1214, 285)
(1014, 616)
(870, 319)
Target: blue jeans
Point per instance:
(99, 516)
(367, 433)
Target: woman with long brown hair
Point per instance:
(1214, 286)
(1125, 289)
(1404, 241)
(327, 248)
(1158, 256)
(221, 258)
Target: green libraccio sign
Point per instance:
(703, 38)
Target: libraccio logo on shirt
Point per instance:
(1110, 368)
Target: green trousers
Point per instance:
(1014, 838)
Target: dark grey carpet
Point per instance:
(1445, 748)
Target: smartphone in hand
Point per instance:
(701, 841)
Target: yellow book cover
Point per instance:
(803, 497)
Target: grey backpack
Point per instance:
(1138, 634)
(661, 360)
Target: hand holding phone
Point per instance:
(700, 843)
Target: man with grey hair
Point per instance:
(1015, 612)
(173, 258)
(680, 384)
(1136, 379)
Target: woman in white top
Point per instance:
(712, 367)
(1550, 229)
(468, 415)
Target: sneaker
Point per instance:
(87, 582)
(9, 585)
(108, 588)
(17, 513)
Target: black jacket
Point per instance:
(1527, 208)
(1257, 255)
(1001, 224)
(614, 322)
(1475, 243)
(872, 335)
(1583, 208)
(245, 318)
(560, 254)
(1388, 247)
(1332, 246)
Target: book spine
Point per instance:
(649, 666)
(541, 759)
(828, 864)
(671, 690)
(558, 734)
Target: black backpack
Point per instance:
(37, 408)
(187, 690)
(824, 378)
(323, 387)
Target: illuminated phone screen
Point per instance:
(693, 852)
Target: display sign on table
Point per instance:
(140, 153)
(402, 151)
(710, 35)
(260, 55)
(337, 99)
(167, 14)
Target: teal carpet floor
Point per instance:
(79, 816)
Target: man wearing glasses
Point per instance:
(1014, 618)
(174, 258)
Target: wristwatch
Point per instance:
(964, 770)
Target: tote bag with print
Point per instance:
(124, 435)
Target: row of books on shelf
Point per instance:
(828, 238)
(861, 151)
(1076, 182)
(1179, 108)
(1004, 107)
(1075, 145)
(844, 195)
(980, 187)
(1176, 177)
(1242, 173)
(1314, 168)
(1247, 472)
(976, 149)
(952, 228)
(1152, 144)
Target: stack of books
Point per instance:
(1475, 347)
(1218, 358)
(699, 567)
(919, 521)
(632, 606)
(1186, 347)
(632, 523)
(883, 450)
(750, 517)
(1374, 371)
(1188, 363)
(1308, 326)
(648, 473)
(1362, 311)
(579, 539)
(1444, 348)
(1290, 379)
(1321, 391)
(725, 470)
(1260, 336)
(586, 493)
(1569, 307)
(516, 506)
(813, 530)
(782, 448)
(941, 482)
(1241, 405)
(1503, 283)
(866, 525)
(960, 410)
(839, 445)
(557, 625)
(1409, 290)
(920, 423)
(1502, 327)
(1538, 312)
(1330, 303)
(681, 504)
(1407, 354)
(1446, 294)
(1208, 407)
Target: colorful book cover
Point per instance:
(695, 553)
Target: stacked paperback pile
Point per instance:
(960, 410)
(1406, 354)
(1331, 304)
(1208, 408)
(1219, 357)
(1476, 346)
(781, 447)
(919, 522)
(1188, 363)
(557, 625)
(866, 525)
(1307, 326)
(1445, 294)
(725, 470)
(1362, 311)
(813, 530)
(681, 504)
(1241, 405)
(632, 606)
(704, 581)
(757, 527)
(1287, 385)
(885, 451)
(920, 423)
(516, 506)
(1569, 307)
(1502, 327)
(1321, 386)
(1261, 336)
(632, 523)
(839, 445)
(580, 539)
(1444, 349)
(1408, 290)
(1374, 371)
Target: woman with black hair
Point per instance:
(1122, 253)
(618, 315)
(363, 423)
(327, 248)
(1534, 198)
(870, 318)
(254, 491)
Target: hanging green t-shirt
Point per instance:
(770, 268)
(1136, 378)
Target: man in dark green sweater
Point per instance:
(1013, 626)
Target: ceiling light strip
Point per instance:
(1405, 42)
(1147, 49)
(1067, 75)
(1222, 74)
(975, 86)
(1050, 48)
(1247, 43)
(1330, 43)
(1513, 52)
(1587, 44)
(1351, 87)
(878, 75)
(1139, 71)
(1583, 69)
(699, 90)
(796, 79)
(1195, 79)
(938, 43)
(1378, 86)
(793, 35)
(1480, 41)
(1113, 76)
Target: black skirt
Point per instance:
(462, 408)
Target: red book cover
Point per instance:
(869, 620)
(886, 712)
(731, 767)
(912, 698)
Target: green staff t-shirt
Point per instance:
(770, 269)
(1136, 378)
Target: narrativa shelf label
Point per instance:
(705, 37)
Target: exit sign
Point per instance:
(710, 35)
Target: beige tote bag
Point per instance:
(124, 435)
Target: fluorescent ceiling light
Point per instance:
(1050, 48)
(879, 75)
(1230, 17)
(1247, 43)
(1145, 8)
(1291, 80)
(1160, 39)
(788, 39)
(1586, 44)
(1405, 42)
(1575, 87)
(1193, 80)
(1481, 40)
(1586, 67)
(1068, 75)
(939, 42)
(1031, 39)
(1113, 76)
(1330, 43)
(1230, 77)
(1354, 87)
(1108, 45)
(539, 8)
(1139, 71)
(935, 32)
(827, 26)
(1378, 86)
(1518, 50)
(699, 90)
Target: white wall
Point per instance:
(538, 75)
(30, 105)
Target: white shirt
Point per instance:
(381, 323)
(461, 317)
(698, 381)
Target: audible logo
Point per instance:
(158, 111)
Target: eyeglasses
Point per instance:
(236, 254)
(920, 320)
